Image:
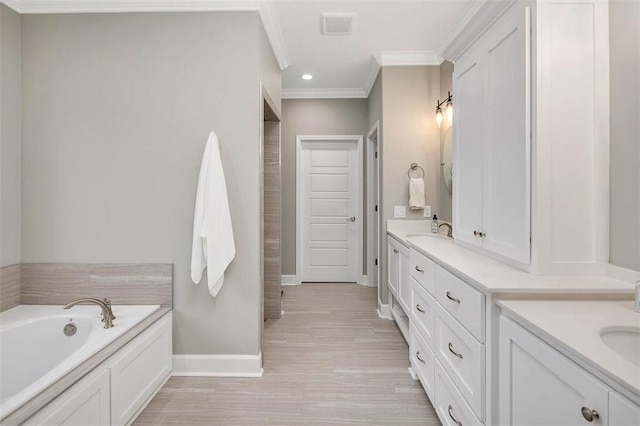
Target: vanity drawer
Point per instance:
(465, 303)
(450, 405)
(423, 270)
(422, 360)
(423, 312)
(462, 357)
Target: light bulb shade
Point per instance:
(439, 117)
(450, 111)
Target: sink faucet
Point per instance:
(105, 305)
(449, 231)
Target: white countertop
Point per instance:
(575, 327)
(492, 276)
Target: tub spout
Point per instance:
(107, 313)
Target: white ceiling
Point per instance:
(395, 31)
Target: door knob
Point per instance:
(351, 219)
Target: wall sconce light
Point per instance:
(449, 106)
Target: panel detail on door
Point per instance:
(329, 232)
(329, 257)
(329, 182)
(329, 158)
(329, 207)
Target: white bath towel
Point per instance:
(213, 245)
(416, 193)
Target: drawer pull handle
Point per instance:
(418, 269)
(459, 423)
(589, 414)
(454, 352)
(419, 358)
(453, 299)
(419, 309)
(395, 251)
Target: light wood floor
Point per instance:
(328, 361)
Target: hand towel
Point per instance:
(213, 245)
(416, 193)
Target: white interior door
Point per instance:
(329, 209)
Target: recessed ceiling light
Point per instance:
(307, 77)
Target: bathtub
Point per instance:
(35, 352)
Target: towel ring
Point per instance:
(414, 167)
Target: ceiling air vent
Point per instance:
(337, 23)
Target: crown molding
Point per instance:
(476, 21)
(355, 93)
(263, 7)
(374, 69)
(407, 58)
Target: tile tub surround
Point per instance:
(123, 284)
(9, 287)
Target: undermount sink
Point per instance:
(625, 341)
(428, 234)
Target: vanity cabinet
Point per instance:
(398, 273)
(447, 351)
(491, 125)
(540, 386)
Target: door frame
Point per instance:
(299, 228)
(373, 220)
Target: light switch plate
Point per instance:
(399, 211)
(427, 211)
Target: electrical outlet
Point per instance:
(427, 211)
(399, 211)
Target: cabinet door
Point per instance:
(85, 403)
(467, 148)
(622, 412)
(138, 371)
(393, 267)
(404, 283)
(539, 386)
(506, 150)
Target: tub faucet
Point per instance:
(449, 231)
(105, 305)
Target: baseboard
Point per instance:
(289, 280)
(218, 365)
(363, 281)
(413, 374)
(624, 274)
(384, 311)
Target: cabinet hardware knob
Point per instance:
(482, 234)
(351, 219)
(419, 358)
(419, 309)
(589, 414)
(476, 233)
(453, 299)
(418, 269)
(395, 251)
(459, 423)
(454, 352)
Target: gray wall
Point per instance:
(446, 84)
(310, 117)
(116, 113)
(9, 137)
(624, 19)
(404, 99)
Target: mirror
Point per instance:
(447, 159)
